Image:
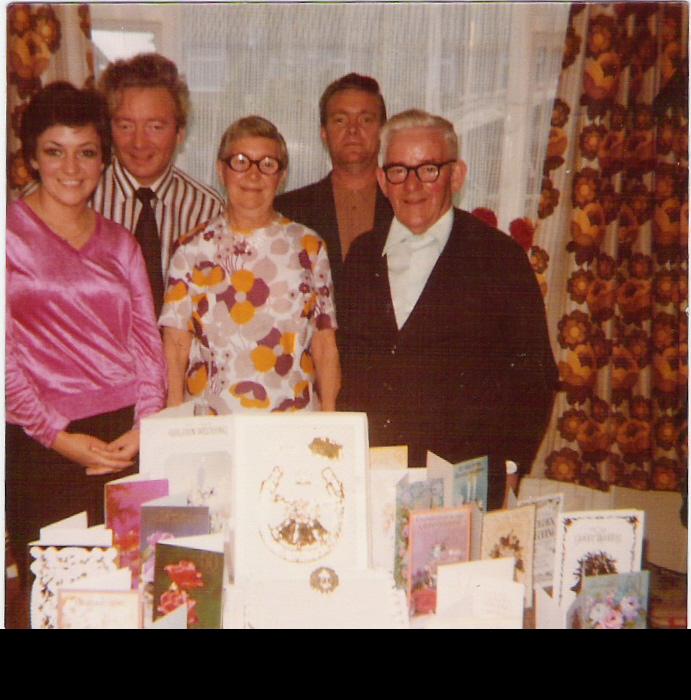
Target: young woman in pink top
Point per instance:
(84, 359)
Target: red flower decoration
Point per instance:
(185, 575)
(172, 600)
(486, 215)
(522, 231)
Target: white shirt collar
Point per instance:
(438, 232)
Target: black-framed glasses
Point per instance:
(240, 163)
(397, 173)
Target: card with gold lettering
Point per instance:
(547, 511)
(595, 543)
(300, 498)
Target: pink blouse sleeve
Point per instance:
(145, 343)
(23, 399)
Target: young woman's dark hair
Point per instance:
(61, 103)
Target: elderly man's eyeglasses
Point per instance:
(397, 173)
(240, 163)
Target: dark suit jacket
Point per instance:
(314, 206)
(471, 372)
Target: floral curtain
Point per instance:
(44, 43)
(610, 248)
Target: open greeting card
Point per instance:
(195, 455)
(300, 494)
(547, 510)
(67, 551)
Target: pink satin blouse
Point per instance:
(81, 336)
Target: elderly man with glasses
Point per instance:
(443, 335)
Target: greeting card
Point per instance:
(547, 510)
(99, 609)
(190, 571)
(167, 518)
(511, 533)
(413, 492)
(300, 494)
(595, 543)
(352, 600)
(195, 454)
(456, 582)
(436, 537)
(65, 552)
(123, 501)
(479, 595)
(464, 482)
(611, 601)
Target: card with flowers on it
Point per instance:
(595, 543)
(511, 533)
(437, 537)
(612, 601)
(189, 570)
(123, 503)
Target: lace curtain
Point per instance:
(490, 68)
(44, 43)
(611, 248)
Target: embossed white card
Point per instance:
(300, 494)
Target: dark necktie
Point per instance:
(146, 233)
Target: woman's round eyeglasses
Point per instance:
(240, 163)
(397, 173)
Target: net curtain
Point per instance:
(478, 64)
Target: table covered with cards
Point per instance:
(292, 521)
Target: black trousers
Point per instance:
(42, 486)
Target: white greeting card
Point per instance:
(455, 582)
(390, 457)
(547, 510)
(478, 595)
(100, 601)
(382, 516)
(300, 494)
(351, 600)
(74, 531)
(592, 543)
(195, 454)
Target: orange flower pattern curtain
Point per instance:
(611, 248)
(44, 43)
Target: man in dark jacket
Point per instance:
(347, 202)
(443, 336)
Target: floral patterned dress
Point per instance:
(252, 301)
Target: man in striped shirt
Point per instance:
(148, 103)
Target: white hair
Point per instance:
(418, 119)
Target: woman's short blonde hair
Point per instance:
(418, 119)
(257, 127)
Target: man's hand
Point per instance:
(91, 453)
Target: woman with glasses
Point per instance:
(248, 316)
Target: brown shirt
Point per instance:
(354, 211)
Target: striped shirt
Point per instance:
(181, 204)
